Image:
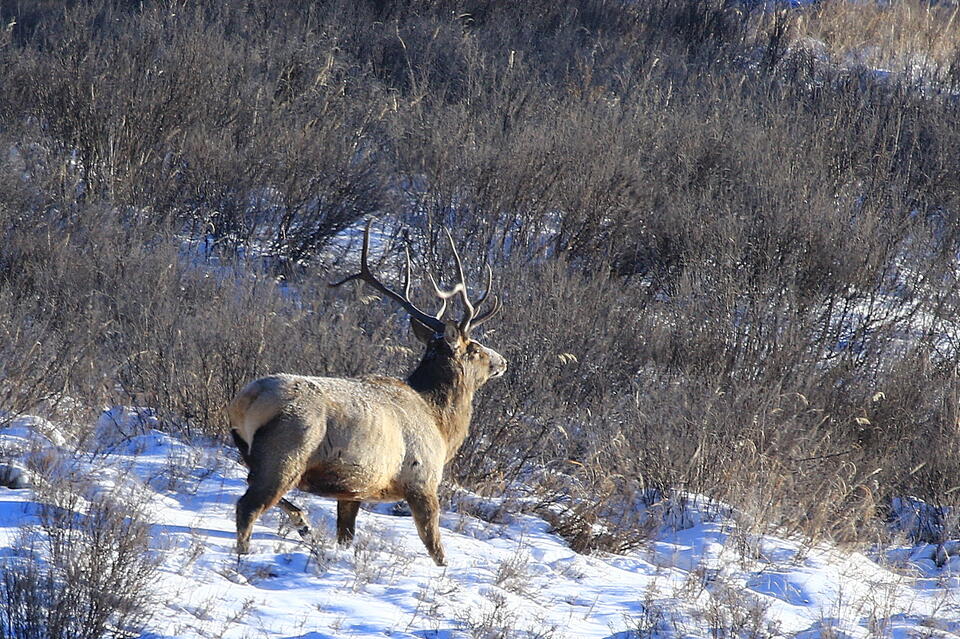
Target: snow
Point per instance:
(700, 575)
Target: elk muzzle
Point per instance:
(498, 363)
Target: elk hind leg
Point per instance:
(254, 502)
(271, 476)
(346, 521)
(426, 514)
(297, 516)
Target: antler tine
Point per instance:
(442, 294)
(483, 317)
(445, 295)
(493, 310)
(476, 305)
(461, 287)
(366, 275)
(406, 286)
(364, 250)
(406, 273)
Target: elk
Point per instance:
(372, 438)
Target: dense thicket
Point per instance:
(728, 259)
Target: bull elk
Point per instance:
(372, 438)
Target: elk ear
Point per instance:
(452, 336)
(421, 330)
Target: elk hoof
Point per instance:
(243, 547)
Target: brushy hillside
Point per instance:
(727, 247)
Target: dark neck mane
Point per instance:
(440, 381)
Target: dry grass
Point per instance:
(889, 35)
(715, 250)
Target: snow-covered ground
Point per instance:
(508, 574)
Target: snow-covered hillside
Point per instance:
(509, 575)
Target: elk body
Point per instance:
(372, 438)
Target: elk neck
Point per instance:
(441, 382)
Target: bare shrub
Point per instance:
(86, 571)
(131, 96)
(731, 612)
(378, 559)
(716, 246)
(651, 619)
(497, 620)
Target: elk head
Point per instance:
(451, 353)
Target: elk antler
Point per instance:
(366, 275)
(470, 318)
(493, 310)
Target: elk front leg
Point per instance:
(426, 514)
(346, 521)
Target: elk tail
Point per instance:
(241, 445)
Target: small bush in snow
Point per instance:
(84, 571)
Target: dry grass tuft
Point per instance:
(887, 35)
